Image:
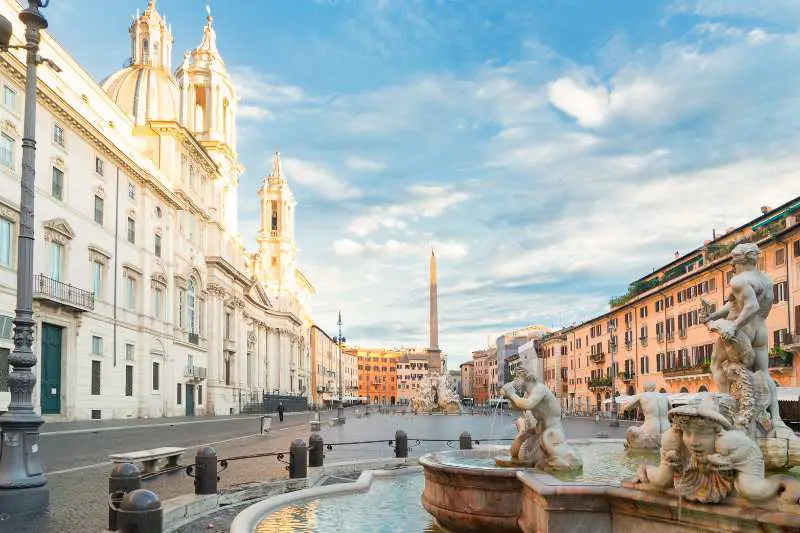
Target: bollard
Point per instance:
(465, 441)
(205, 471)
(400, 443)
(316, 450)
(124, 478)
(140, 511)
(298, 459)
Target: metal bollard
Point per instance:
(140, 511)
(316, 450)
(124, 478)
(465, 441)
(400, 443)
(298, 459)
(205, 471)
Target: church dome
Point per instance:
(144, 92)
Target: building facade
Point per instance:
(413, 366)
(377, 374)
(146, 302)
(484, 370)
(467, 378)
(325, 377)
(653, 332)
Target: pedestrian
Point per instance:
(280, 411)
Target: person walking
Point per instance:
(280, 411)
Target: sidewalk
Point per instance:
(119, 424)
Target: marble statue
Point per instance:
(437, 393)
(740, 360)
(654, 405)
(705, 458)
(541, 441)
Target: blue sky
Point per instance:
(551, 151)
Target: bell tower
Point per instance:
(151, 39)
(276, 245)
(208, 110)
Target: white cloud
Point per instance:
(255, 86)
(394, 248)
(319, 180)
(588, 105)
(364, 164)
(254, 113)
(424, 201)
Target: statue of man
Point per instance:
(742, 326)
(654, 405)
(541, 439)
(748, 304)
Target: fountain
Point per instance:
(714, 450)
(437, 394)
(696, 466)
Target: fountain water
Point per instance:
(437, 394)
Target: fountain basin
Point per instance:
(465, 491)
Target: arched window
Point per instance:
(191, 306)
(702, 389)
(662, 390)
(145, 50)
(684, 390)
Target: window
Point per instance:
(227, 325)
(643, 312)
(157, 244)
(131, 190)
(97, 278)
(128, 380)
(9, 98)
(97, 345)
(57, 184)
(99, 165)
(131, 231)
(780, 256)
(58, 134)
(6, 151)
(156, 369)
(129, 348)
(780, 291)
(99, 205)
(796, 248)
(96, 378)
(56, 258)
(6, 237)
(191, 302)
(180, 390)
(130, 293)
(158, 302)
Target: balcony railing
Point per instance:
(195, 372)
(194, 338)
(785, 360)
(599, 383)
(45, 288)
(626, 376)
(643, 341)
(597, 357)
(687, 370)
(629, 346)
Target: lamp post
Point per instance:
(339, 340)
(23, 487)
(612, 329)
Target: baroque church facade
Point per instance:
(146, 301)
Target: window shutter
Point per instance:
(775, 293)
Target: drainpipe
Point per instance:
(116, 264)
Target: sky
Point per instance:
(551, 151)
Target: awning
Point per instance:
(621, 400)
(777, 216)
(788, 394)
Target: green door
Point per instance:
(189, 399)
(51, 369)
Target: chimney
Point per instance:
(765, 209)
(677, 254)
(713, 234)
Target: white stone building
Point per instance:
(145, 299)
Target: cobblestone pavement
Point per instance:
(78, 498)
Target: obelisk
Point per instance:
(434, 353)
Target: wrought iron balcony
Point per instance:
(61, 293)
(687, 370)
(599, 383)
(597, 357)
(628, 345)
(791, 343)
(195, 372)
(626, 376)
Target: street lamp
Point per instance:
(612, 329)
(339, 341)
(23, 486)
